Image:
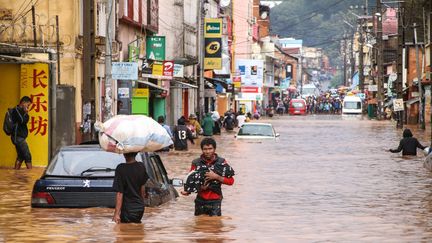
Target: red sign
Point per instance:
(249, 89)
(168, 68)
(237, 79)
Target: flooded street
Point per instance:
(326, 178)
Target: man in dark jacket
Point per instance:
(209, 198)
(20, 119)
(408, 144)
(181, 134)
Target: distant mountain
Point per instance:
(318, 23)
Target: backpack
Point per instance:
(8, 124)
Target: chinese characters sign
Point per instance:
(35, 84)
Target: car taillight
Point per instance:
(42, 198)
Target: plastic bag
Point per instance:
(132, 133)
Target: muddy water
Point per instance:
(326, 178)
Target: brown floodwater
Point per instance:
(327, 178)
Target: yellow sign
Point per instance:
(34, 83)
(213, 28)
(141, 92)
(213, 63)
(157, 69)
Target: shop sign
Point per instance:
(124, 70)
(249, 89)
(141, 92)
(157, 69)
(373, 88)
(237, 82)
(168, 68)
(212, 27)
(398, 105)
(155, 47)
(34, 83)
(178, 71)
(249, 96)
(251, 72)
(213, 53)
(133, 53)
(123, 93)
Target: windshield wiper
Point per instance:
(97, 169)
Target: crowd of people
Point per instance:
(190, 128)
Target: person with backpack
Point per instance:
(19, 118)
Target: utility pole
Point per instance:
(401, 45)
(421, 118)
(379, 60)
(58, 49)
(360, 66)
(200, 96)
(345, 61)
(34, 25)
(108, 58)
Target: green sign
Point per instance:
(133, 53)
(213, 28)
(155, 48)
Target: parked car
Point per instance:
(297, 107)
(256, 131)
(82, 176)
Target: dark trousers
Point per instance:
(208, 207)
(131, 215)
(22, 149)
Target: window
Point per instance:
(352, 105)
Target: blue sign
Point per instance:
(125, 70)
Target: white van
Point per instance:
(352, 105)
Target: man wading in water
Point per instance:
(129, 181)
(209, 198)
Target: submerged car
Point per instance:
(256, 131)
(82, 176)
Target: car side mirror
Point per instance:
(177, 182)
(277, 135)
(235, 136)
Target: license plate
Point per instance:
(297, 112)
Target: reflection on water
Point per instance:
(327, 178)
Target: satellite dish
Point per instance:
(224, 3)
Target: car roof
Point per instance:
(83, 147)
(258, 123)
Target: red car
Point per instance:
(297, 107)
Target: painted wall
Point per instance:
(242, 12)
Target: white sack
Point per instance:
(132, 133)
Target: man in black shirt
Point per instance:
(408, 144)
(181, 134)
(129, 181)
(20, 118)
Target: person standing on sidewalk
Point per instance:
(20, 118)
(209, 198)
(129, 183)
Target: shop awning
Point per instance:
(152, 85)
(412, 101)
(15, 59)
(183, 85)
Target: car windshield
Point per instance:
(297, 104)
(84, 163)
(256, 130)
(352, 105)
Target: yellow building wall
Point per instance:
(9, 97)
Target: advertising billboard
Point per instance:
(251, 72)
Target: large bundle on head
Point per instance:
(132, 133)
